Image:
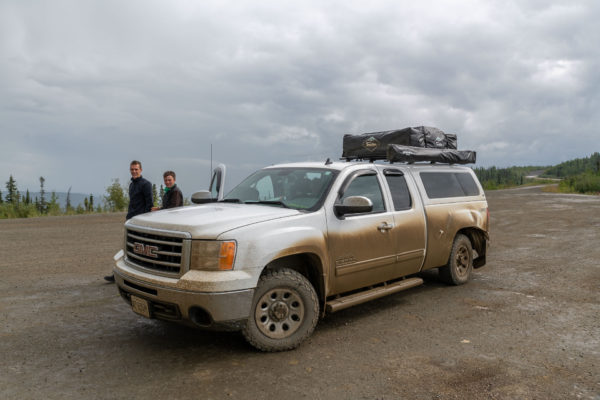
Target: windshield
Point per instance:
(298, 188)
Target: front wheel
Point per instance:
(460, 264)
(285, 311)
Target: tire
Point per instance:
(460, 264)
(284, 312)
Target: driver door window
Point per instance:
(367, 186)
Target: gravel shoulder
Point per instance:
(527, 326)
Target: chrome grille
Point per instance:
(164, 252)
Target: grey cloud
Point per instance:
(104, 82)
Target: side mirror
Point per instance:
(354, 205)
(201, 197)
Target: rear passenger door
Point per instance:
(409, 232)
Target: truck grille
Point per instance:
(156, 251)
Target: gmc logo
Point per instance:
(145, 250)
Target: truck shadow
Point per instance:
(382, 305)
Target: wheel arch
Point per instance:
(308, 265)
(479, 242)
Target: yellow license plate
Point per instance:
(140, 306)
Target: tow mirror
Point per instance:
(201, 197)
(215, 190)
(354, 205)
(217, 183)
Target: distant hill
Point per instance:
(76, 198)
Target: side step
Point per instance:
(371, 294)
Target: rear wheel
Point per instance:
(285, 311)
(460, 264)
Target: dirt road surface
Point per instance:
(526, 327)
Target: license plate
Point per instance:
(140, 306)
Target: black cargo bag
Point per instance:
(373, 146)
(397, 153)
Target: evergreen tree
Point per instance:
(12, 195)
(68, 206)
(86, 204)
(162, 191)
(53, 208)
(91, 202)
(42, 206)
(1, 201)
(27, 198)
(154, 195)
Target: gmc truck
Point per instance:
(294, 242)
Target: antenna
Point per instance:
(211, 168)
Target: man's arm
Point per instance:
(178, 198)
(148, 197)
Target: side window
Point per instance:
(468, 184)
(367, 186)
(399, 190)
(449, 184)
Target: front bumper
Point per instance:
(215, 310)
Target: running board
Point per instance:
(371, 294)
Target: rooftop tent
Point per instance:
(373, 146)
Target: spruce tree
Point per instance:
(12, 195)
(68, 202)
(42, 204)
(154, 195)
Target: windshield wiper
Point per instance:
(271, 202)
(230, 201)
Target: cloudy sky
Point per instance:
(87, 86)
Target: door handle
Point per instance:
(385, 227)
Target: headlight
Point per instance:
(212, 255)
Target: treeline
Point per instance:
(16, 204)
(581, 175)
(500, 178)
(578, 166)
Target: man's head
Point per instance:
(135, 168)
(169, 178)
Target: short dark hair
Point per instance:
(135, 162)
(167, 173)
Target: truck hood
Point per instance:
(208, 221)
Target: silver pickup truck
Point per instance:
(294, 242)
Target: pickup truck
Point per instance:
(294, 242)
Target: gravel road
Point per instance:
(526, 327)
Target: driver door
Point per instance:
(361, 246)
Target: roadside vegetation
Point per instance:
(501, 178)
(581, 175)
(16, 204)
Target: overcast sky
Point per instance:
(88, 86)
